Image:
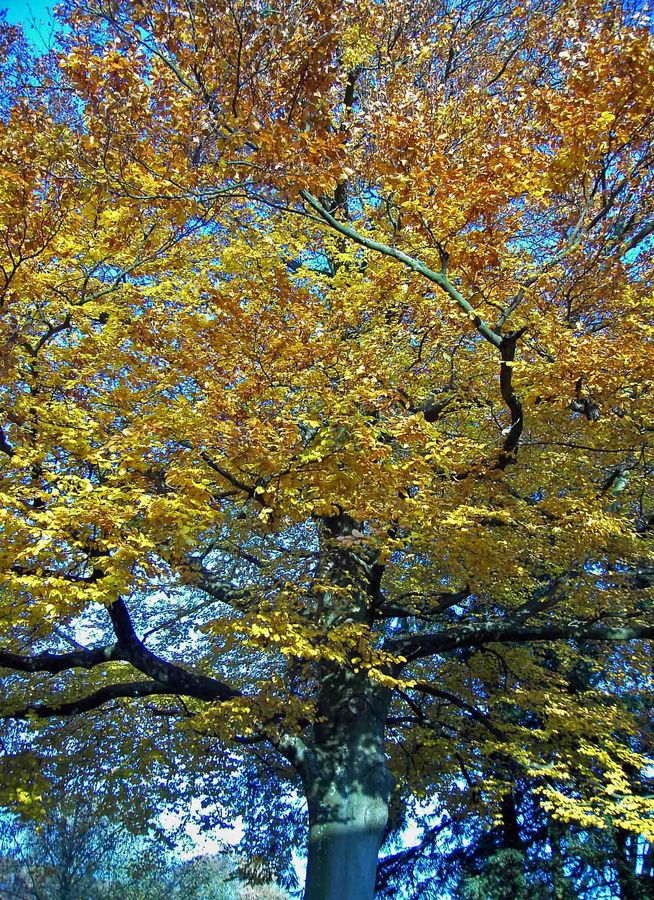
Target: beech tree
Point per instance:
(326, 403)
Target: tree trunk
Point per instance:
(348, 811)
(348, 788)
(346, 779)
(344, 846)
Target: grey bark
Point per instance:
(348, 788)
(346, 779)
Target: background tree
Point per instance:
(326, 397)
(76, 851)
(63, 856)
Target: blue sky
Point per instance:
(34, 15)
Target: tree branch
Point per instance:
(510, 447)
(418, 646)
(60, 662)
(98, 698)
(638, 238)
(235, 482)
(415, 265)
(436, 603)
(176, 679)
(468, 708)
(392, 866)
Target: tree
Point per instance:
(525, 852)
(76, 852)
(62, 856)
(326, 396)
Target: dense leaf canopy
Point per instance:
(327, 368)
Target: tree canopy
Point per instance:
(326, 409)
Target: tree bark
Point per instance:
(344, 771)
(348, 788)
(345, 834)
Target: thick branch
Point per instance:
(168, 678)
(638, 238)
(418, 646)
(176, 679)
(60, 662)
(240, 485)
(510, 447)
(98, 698)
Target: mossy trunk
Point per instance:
(346, 830)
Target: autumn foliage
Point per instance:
(327, 373)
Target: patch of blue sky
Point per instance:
(35, 17)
